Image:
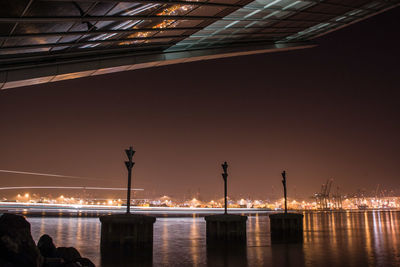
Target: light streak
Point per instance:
(290, 5)
(67, 187)
(252, 13)
(272, 3)
(176, 210)
(52, 175)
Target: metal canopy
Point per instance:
(49, 40)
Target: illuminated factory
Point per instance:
(45, 41)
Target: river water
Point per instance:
(365, 238)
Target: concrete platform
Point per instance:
(125, 232)
(226, 228)
(286, 227)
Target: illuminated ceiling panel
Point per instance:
(43, 40)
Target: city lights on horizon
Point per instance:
(351, 203)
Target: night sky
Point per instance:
(327, 112)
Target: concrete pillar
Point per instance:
(126, 238)
(286, 227)
(226, 228)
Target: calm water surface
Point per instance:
(370, 238)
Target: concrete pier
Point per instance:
(286, 227)
(226, 228)
(126, 236)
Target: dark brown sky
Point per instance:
(327, 112)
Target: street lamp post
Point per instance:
(225, 177)
(284, 189)
(227, 228)
(127, 237)
(286, 227)
(129, 165)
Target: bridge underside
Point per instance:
(51, 40)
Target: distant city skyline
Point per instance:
(326, 112)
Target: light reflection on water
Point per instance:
(330, 239)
